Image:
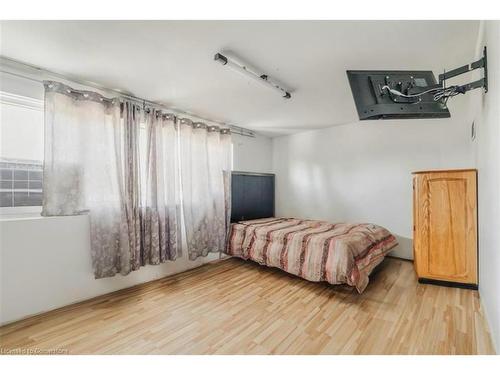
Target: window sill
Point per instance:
(5, 218)
(20, 213)
(37, 217)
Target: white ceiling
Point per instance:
(172, 61)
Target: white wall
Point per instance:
(45, 264)
(487, 151)
(361, 172)
(252, 154)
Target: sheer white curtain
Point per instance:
(161, 197)
(93, 164)
(133, 169)
(205, 160)
(84, 171)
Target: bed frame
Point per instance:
(252, 196)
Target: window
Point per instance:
(21, 152)
(21, 183)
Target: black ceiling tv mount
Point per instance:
(404, 94)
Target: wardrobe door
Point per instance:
(446, 226)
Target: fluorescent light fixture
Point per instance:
(261, 78)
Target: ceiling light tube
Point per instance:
(261, 78)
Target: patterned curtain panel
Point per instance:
(98, 159)
(126, 124)
(205, 166)
(161, 194)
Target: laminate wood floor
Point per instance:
(238, 307)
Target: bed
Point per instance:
(315, 250)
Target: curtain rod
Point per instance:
(16, 64)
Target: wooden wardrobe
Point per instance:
(445, 227)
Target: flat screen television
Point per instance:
(375, 102)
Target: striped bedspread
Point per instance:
(314, 250)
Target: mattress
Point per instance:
(340, 253)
